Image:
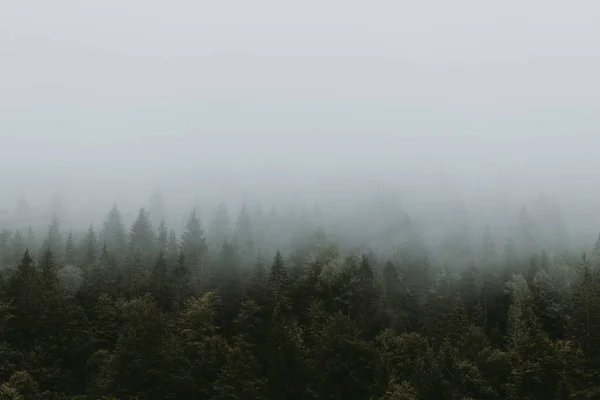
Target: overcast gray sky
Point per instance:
(114, 91)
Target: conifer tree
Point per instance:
(53, 240)
(160, 282)
(172, 249)
(113, 234)
(142, 240)
(89, 248)
(279, 287)
(584, 321)
(30, 240)
(18, 247)
(70, 251)
(181, 280)
(5, 253)
(193, 244)
(49, 277)
(23, 290)
(162, 239)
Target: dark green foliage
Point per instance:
(193, 244)
(70, 250)
(142, 240)
(114, 236)
(161, 283)
(53, 239)
(182, 280)
(154, 318)
(88, 252)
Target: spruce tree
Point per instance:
(142, 240)
(279, 287)
(70, 251)
(161, 285)
(53, 240)
(89, 248)
(113, 234)
(162, 239)
(17, 245)
(181, 280)
(172, 249)
(5, 254)
(193, 244)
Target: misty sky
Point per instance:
(131, 94)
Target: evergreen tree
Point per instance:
(53, 240)
(5, 250)
(49, 276)
(181, 280)
(172, 249)
(89, 248)
(30, 240)
(162, 238)
(70, 251)
(278, 287)
(162, 288)
(18, 247)
(142, 240)
(193, 244)
(113, 234)
(136, 275)
(584, 322)
(23, 290)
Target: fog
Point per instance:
(340, 102)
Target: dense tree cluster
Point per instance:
(233, 313)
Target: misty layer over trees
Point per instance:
(377, 299)
(299, 200)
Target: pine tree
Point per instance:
(49, 277)
(136, 275)
(89, 248)
(53, 240)
(5, 253)
(584, 321)
(113, 234)
(181, 280)
(193, 244)
(397, 308)
(172, 249)
(103, 278)
(23, 290)
(162, 240)
(160, 282)
(18, 247)
(279, 287)
(365, 301)
(142, 240)
(70, 251)
(30, 241)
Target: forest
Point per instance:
(281, 304)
